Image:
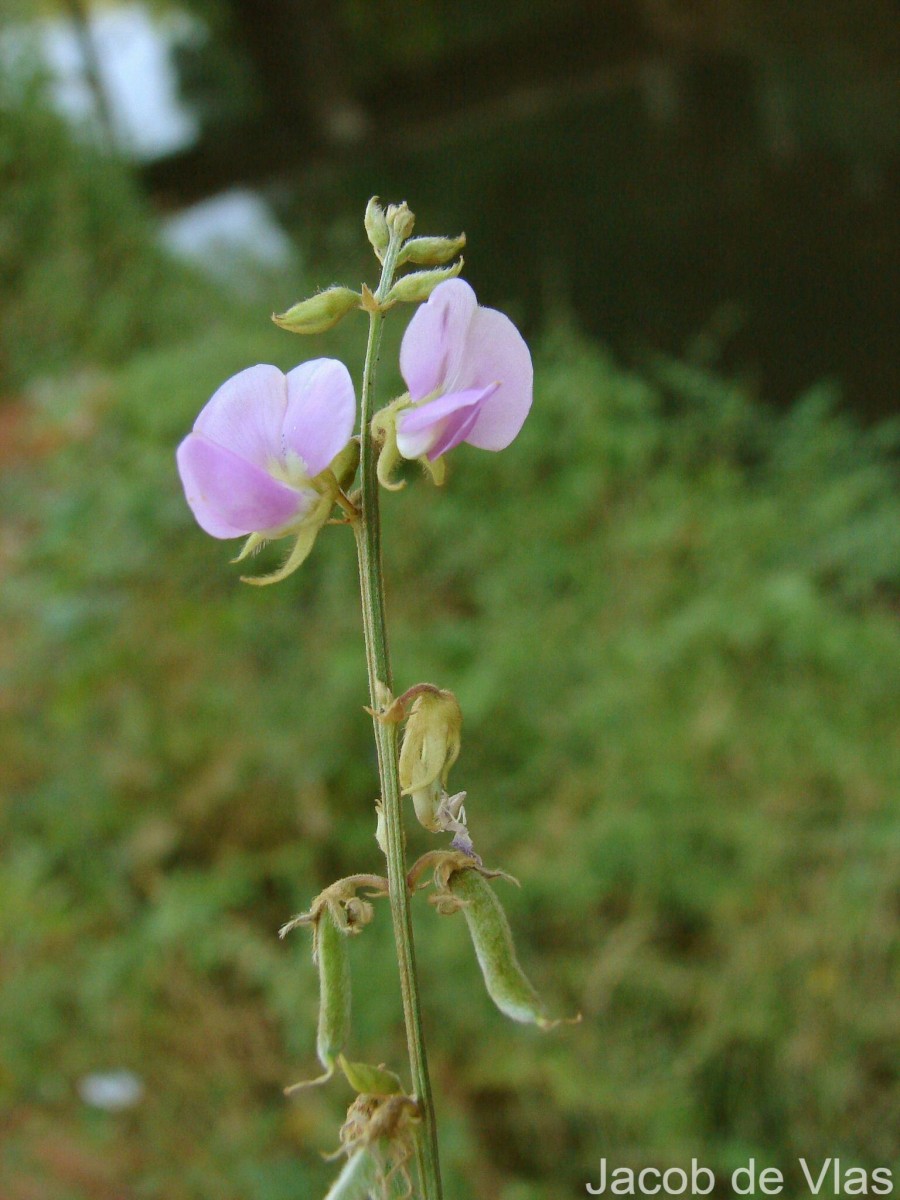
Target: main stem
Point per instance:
(368, 544)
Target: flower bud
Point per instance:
(414, 288)
(431, 743)
(345, 465)
(369, 1080)
(381, 828)
(431, 251)
(319, 312)
(376, 227)
(400, 221)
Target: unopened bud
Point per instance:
(400, 221)
(381, 828)
(376, 227)
(345, 464)
(412, 289)
(369, 1080)
(319, 312)
(431, 743)
(431, 251)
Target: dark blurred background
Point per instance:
(669, 609)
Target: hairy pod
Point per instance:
(504, 978)
(333, 960)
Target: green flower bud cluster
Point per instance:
(419, 252)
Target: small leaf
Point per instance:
(369, 1080)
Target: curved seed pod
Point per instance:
(330, 954)
(334, 990)
(357, 1179)
(504, 978)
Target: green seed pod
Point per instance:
(431, 251)
(319, 312)
(357, 1179)
(330, 952)
(504, 979)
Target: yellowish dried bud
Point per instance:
(414, 288)
(431, 743)
(319, 312)
(431, 251)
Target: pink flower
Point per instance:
(257, 461)
(469, 376)
(251, 462)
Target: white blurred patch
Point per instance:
(134, 52)
(221, 233)
(113, 1091)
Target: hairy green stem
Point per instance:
(368, 543)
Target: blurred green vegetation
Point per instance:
(670, 617)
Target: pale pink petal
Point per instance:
(435, 338)
(246, 414)
(321, 412)
(456, 430)
(420, 429)
(231, 497)
(495, 352)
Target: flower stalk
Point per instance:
(367, 528)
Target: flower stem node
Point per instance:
(418, 285)
(378, 1138)
(430, 747)
(320, 312)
